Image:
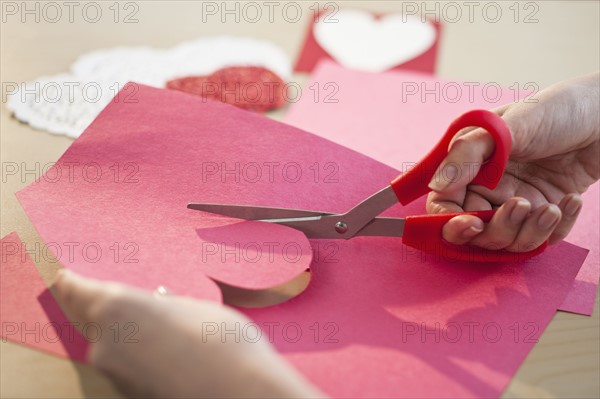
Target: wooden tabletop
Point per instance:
(544, 42)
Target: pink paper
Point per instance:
(384, 322)
(363, 291)
(114, 205)
(29, 314)
(396, 117)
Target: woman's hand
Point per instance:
(176, 347)
(555, 157)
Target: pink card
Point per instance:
(356, 330)
(114, 205)
(379, 321)
(361, 40)
(28, 312)
(396, 117)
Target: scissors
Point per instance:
(423, 232)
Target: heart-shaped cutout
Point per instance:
(361, 41)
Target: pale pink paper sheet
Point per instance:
(29, 314)
(396, 117)
(363, 292)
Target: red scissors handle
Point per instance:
(414, 183)
(425, 231)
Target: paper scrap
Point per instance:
(29, 314)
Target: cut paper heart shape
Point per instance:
(408, 112)
(357, 330)
(360, 40)
(67, 103)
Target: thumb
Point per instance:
(467, 154)
(80, 296)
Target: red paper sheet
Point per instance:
(396, 117)
(29, 314)
(363, 291)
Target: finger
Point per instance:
(85, 300)
(461, 229)
(498, 111)
(77, 295)
(536, 229)
(440, 203)
(476, 202)
(511, 186)
(465, 157)
(570, 207)
(505, 225)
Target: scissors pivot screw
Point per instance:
(341, 227)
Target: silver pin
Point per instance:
(161, 291)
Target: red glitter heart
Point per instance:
(250, 88)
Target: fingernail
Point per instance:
(64, 273)
(60, 279)
(573, 206)
(471, 232)
(61, 274)
(443, 177)
(549, 217)
(519, 212)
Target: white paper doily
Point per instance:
(68, 103)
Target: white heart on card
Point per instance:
(358, 40)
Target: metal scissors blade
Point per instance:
(313, 224)
(255, 212)
(324, 227)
